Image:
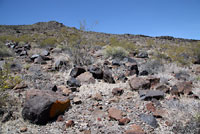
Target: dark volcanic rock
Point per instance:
(33, 57)
(149, 94)
(107, 76)
(42, 106)
(73, 82)
(96, 72)
(39, 60)
(149, 119)
(76, 71)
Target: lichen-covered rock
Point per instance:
(42, 106)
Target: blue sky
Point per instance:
(178, 18)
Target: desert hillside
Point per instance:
(56, 79)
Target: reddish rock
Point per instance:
(168, 123)
(182, 88)
(64, 89)
(87, 132)
(150, 107)
(124, 121)
(159, 113)
(115, 114)
(69, 123)
(117, 91)
(137, 83)
(86, 78)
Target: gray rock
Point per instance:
(33, 57)
(149, 119)
(73, 82)
(142, 55)
(39, 60)
(107, 76)
(149, 94)
(45, 53)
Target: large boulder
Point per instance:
(107, 76)
(76, 71)
(137, 83)
(42, 106)
(96, 72)
(86, 78)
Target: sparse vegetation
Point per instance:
(4, 51)
(115, 52)
(7, 81)
(48, 42)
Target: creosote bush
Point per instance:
(115, 52)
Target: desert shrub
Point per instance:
(7, 81)
(22, 38)
(48, 42)
(150, 43)
(4, 51)
(115, 52)
(128, 46)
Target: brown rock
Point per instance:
(115, 114)
(69, 123)
(153, 80)
(98, 97)
(77, 100)
(23, 129)
(86, 78)
(117, 91)
(87, 132)
(159, 113)
(137, 83)
(182, 88)
(135, 129)
(150, 107)
(168, 123)
(64, 89)
(124, 121)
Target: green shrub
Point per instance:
(48, 42)
(128, 46)
(115, 52)
(7, 81)
(4, 51)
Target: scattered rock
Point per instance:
(96, 72)
(117, 91)
(23, 129)
(150, 107)
(45, 53)
(124, 121)
(60, 118)
(73, 82)
(138, 83)
(114, 113)
(42, 106)
(69, 123)
(6, 117)
(107, 76)
(149, 119)
(135, 129)
(142, 54)
(77, 100)
(182, 88)
(76, 71)
(33, 57)
(149, 94)
(98, 97)
(39, 60)
(86, 78)
(132, 69)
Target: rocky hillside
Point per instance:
(57, 79)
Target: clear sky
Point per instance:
(178, 18)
